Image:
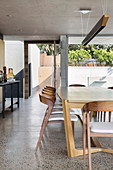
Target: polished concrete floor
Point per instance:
(19, 133)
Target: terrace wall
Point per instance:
(91, 76)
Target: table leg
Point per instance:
(3, 101)
(68, 129)
(95, 142)
(11, 97)
(72, 151)
(18, 94)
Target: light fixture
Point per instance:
(9, 15)
(19, 30)
(96, 29)
(85, 11)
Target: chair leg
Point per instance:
(109, 116)
(41, 132)
(89, 147)
(104, 116)
(91, 116)
(84, 135)
(101, 116)
(98, 116)
(44, 124)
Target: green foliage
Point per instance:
(45, 48)
(49, 48)
(103, 56)
(74, 47)
(79, 56)
(100, 55)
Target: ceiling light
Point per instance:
(85, 11)
(96, 29)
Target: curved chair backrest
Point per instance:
(77, 85)
(101, 130)
(51, 88)
(49, 91)
(52, 96)
(46, 100)
(100, 106)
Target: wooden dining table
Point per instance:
(77, 97)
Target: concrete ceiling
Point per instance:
(32, 19)
(97, 40)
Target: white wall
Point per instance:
(2, 62)
(34, 59)
(14, 58)
(14, 55)
(88, 76)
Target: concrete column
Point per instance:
(55, 64)
(64, 60)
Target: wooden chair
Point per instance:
(51, 118)
(110, 112)
(58, 100)
(74, 111)
(97, 129)
(51, 91)
(57, 107)
(102, 116)
(48, 93)
(50, 88)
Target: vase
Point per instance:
(10, 75)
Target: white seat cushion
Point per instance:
(57, 103)
(56, 117)
(57, 107)
(61, 117)
(55, 112)
(101, 127)
(74, 118)
(71, 112)
(61, 111)
(76, 111)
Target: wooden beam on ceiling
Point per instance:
(96, 29)
(42, 42)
